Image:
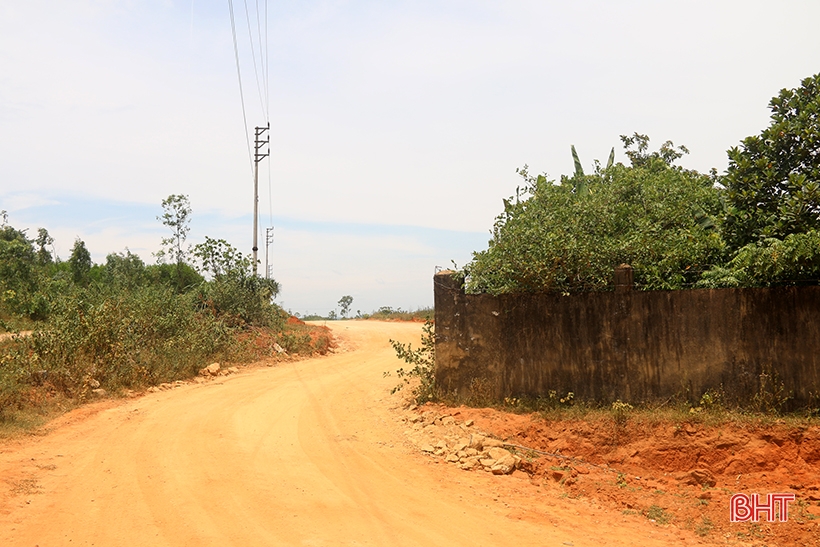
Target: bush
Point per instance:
(570, 236)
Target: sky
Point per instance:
(396, 127)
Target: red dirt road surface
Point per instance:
(312, 453)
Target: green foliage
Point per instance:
(770, 262)
(773, 179)
(218, 258)
(423, 361)
(80, 263)
(649, 215)
(20, 275)
(116, 338)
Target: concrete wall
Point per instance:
(630, 345)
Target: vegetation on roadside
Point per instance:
(421, 377)
(127, 325)
(757, 225)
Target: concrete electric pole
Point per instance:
(257, 157)
(268, 241)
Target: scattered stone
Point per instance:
(278, 348)
(413, 407)
(99, 392)
(448, 420)
(453, 458)
(427, 448)
(469, 423)
(153, 389)
(415, 419)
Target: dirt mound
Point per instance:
(681, 473)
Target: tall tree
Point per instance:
(773, 179)
(176, 216)
(80, 262)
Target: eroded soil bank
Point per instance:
(674, 474)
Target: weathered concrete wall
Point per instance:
(629, 345)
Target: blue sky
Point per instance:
(396, 127)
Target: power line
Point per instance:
(239, 78)
(253, 55)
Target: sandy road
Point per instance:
(306, 453)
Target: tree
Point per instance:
(43, 240)
(217, 257)
(570, 236)
(344, 304)
(773, 179)
(177, 217)
(80, 262)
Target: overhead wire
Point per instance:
(239, 78)
(253, 55)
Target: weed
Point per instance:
(423, 360)
(704, 527)
(658, 514)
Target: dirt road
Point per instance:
(305, 453)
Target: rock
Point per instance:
(153, 389)
(427, 448)
(414, 419)
(448, 420)
(498, 453)
(471, 452)
(469, 464)
(213, 369)
(453, 458)
(461, 445)
(468, 423)
(493, 443)
(487, 462)
(477, 441)
(504, 461)
(99, 392)
(93, 384)
(232, 370)
(699, 477)
(278, 348)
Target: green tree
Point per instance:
(177, 217)
(773, 179)
(43, 241)
(80, 263)
(344, 305)
(569, 237)
(217, 257)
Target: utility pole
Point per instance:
(268, 241)
(257, 157)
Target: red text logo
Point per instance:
(743, 508)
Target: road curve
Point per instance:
(308, 453)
